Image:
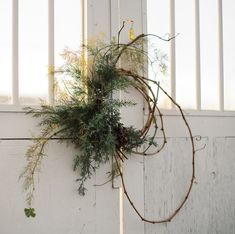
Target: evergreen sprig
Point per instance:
(87, 115)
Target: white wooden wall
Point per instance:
(156, 184)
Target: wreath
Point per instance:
(87, 115)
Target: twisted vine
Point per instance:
(87, 116)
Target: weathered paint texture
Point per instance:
(156, 184)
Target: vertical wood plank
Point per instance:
(107, 210)
(220, 55)
(59, 207)
(222, 187)
(114, 18)
(51, 51)
(197, 54)
(83, 21)
(172, 50)
(115, 24)
(106, 198)
(15, 52)
(133, 167)
(167, 177)
(98, 19)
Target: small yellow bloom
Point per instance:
(51, 69)
(131, 33)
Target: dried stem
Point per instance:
(145, 81)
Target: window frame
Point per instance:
(198, 110)
(15, 105)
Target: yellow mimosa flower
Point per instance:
(131, 33)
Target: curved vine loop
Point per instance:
(89, 118)
(188, 190)
(142, 85)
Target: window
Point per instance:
(32, 36)
(201, 57)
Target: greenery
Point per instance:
(87, 115)
(30, 212)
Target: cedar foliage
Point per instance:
(87, 115)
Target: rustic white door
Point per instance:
(156, 184)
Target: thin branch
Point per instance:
(174, 213)
(119, 33)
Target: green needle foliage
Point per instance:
(85, 114)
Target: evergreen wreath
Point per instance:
(87, 115)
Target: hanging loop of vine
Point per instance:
(87, 115)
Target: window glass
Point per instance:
(159, 26)
(185, 54)
(158, 23)
(33, 45)
(33, 36)
(209, 55)
(5, 51)
(67, 28)
(229, 54)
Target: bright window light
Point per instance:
(5, 51)
(212, 95)
(33, 37)
(33, 24)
